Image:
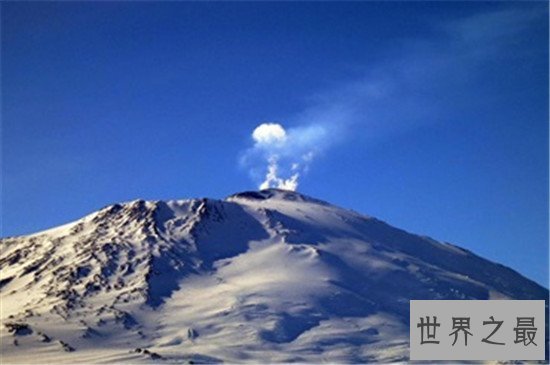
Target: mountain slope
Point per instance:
(260, 276)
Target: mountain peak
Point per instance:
(274, 194)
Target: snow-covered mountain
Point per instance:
(270, 276)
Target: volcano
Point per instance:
(261, 276)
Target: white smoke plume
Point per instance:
(284, 154)
(417, 86)
(273, 181)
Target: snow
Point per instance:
(269, 276)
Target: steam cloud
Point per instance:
(286, 153)
(420, 83)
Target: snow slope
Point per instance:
(269, 276)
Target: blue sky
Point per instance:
(436, 112)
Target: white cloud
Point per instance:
(269, 133)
